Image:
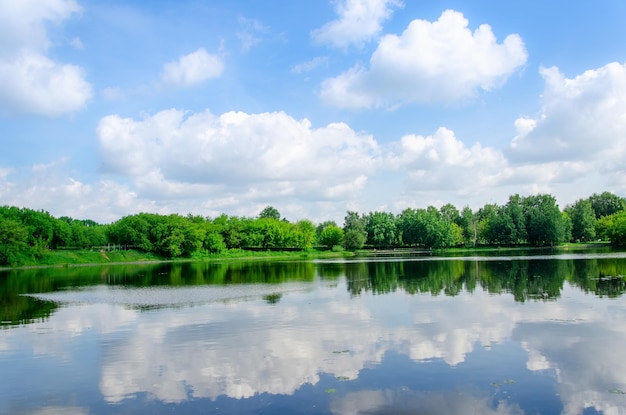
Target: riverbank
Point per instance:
(79, 258)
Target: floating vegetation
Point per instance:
(341, 351)
(617, 391)
(342, 378)
(331, 390)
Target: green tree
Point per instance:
(613, 227)
(583, 220)
(304, 233)
(13, 240)
(467, 222)
(606, 204)
(381, 229)
(269, 212)
(319, 228)
(331, 236)
(484, 219)
(354, 231)
(450, 213)
(515, 211)
(544, 221)
(408, 223)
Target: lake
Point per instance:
(541, 334)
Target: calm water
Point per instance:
(482, 335)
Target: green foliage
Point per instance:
(269, 212)
(606, 204)
(381, 229)
(304, 234)
(583, 220)
(331, 236)
(467, 223)
(613, 228)
(544, 222)
(319, 228)
(428, 228)
(28, 235)
(13, 237)
(354, 233)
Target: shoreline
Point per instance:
(255, 256)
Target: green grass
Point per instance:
(52, 258)
(87, 257)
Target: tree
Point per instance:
(606, 203)
(449, 213)
(354, 231)
(544, 222)
(407, 224)
(321, 227)
(331, 236)
(484, 219)
(516, 212)
(13, 237)
(304, 234)
(613, 227)
(583, 220)
(381, 229)
(269, 212)
(467, 222)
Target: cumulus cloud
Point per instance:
(441, 62)
(581, 119)
(193, 68)
(359, 21)
(255, 156)
(442, 161)
(51, 187)
(30, 81)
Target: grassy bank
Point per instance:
(63, 258)
(565, 247)
(67, 258)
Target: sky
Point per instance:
(315, 107)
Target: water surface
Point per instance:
(496, 335)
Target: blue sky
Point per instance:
(315, 107)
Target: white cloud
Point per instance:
(578, 140)
(581, 119)
(52, 188)
(310, 64)
(193, 68)
(250, 32)
(31, 82)
(443, 162)
(441, 62)
(255, 157)
(359, 21)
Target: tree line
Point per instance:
(534, 220)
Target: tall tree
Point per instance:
(606, 203)
(331, 236)
(544, 221)
(583, 220)
(354, 231)
(381, 229)
(269, 212)
(13, 237)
